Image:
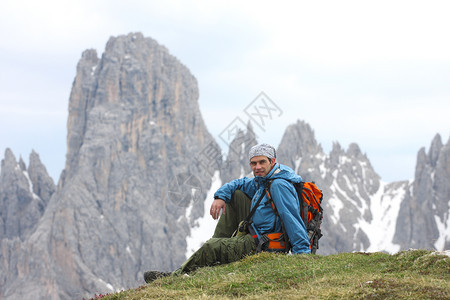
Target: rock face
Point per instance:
(24, 194)
(139, 165)
(346, 178)
(236, 164)
(363, 213)
(134, 130)
(424, 220)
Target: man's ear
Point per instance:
(272, 161)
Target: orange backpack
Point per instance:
(310, 198)
(311, 211)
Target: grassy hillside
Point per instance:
(414, 274)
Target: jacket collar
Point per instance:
(275, 170)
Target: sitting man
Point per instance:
(236, 199)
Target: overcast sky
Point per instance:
(375, 73)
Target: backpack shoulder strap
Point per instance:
(275, 211)
(252, 212)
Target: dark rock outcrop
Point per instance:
(237, 164)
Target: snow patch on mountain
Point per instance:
(384, 207)
(335, 204)
(30, 185)
(298, 160)
(443, 226)
(205, 225)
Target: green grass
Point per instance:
(407, 275)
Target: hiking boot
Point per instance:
(150, 276)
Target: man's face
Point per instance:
(261, 166)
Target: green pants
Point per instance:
(222, 248)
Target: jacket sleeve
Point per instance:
(286, 201)
(245, 184)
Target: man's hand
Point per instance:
(216, 206)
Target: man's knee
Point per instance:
(240, 196)
(238, 193)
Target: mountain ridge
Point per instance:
(141, 167)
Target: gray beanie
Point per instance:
(262, 149)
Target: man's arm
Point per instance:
(247, 185)
(286, 201)
(223, 194)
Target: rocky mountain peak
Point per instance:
(336, 152)
(302, 141)
(21, 164)
(83, 88)
(435, 149)
(9, 160)
(23, 198)
(42, 184)
(236, 164)
(354, 151)
(299, 150)
(132, 183)
(424, 218)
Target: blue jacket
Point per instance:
(286, 201)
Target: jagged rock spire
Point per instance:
(24, 195)
(424, 219)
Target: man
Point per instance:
(236, 199)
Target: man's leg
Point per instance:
(221, 248)
(235, 212)
(217, 251)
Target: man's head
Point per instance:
(262, 159)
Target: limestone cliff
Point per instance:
(134, 127)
